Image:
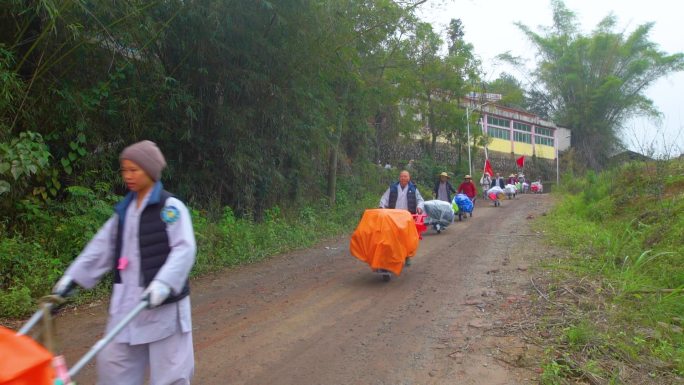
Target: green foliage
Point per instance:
(15, 301)
(511, 90)
(578, 336)
(25, 272)
(553, 372)
(624, 228)
(21, 159)
(53, 234)
(10, 88)
(437, 83)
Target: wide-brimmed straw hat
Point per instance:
(444, 174)
(467, 177)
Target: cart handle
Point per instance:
(48, 303)
(33, 320)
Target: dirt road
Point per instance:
(319, 316)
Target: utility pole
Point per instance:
(470, 161)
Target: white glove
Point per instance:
(157, 292)
(63, 286)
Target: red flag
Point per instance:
(488, 168)
(521, 161)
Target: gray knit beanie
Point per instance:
(147, 155)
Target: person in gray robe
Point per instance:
(150, 246)
(443, 189)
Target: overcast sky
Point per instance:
(488, 25)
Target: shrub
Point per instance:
(15, 301)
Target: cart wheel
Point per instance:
(386, 277)
(438, 227)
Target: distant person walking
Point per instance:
(443, 189)
(468, 188)
(512, 179)
(498, 181)
(485, 182)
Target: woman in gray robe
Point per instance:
(150, 246)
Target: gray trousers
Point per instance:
(171, 362)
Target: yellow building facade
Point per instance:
(518, 132)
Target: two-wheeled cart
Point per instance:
(463, 206)
(440, 214)
(386, 239)
(27, 362)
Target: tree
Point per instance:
(456, 34)
(511, 90)
(593, 83)
(439, 82)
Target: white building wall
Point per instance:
(563, 137)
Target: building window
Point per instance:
(543, 131)
(543, 140)
(495, 132)
(522, 127)
(498, 121)
(522, 137)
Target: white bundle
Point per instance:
(496, 190)
(439, 212)
(510, 189)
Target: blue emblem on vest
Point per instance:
(170, 214)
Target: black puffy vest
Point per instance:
(154, 242)
(411, 201)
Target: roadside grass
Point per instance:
(36, 252)
(616, 298)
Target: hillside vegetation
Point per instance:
(622, 320)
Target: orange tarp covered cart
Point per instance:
(23, 361)
(384, 238)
